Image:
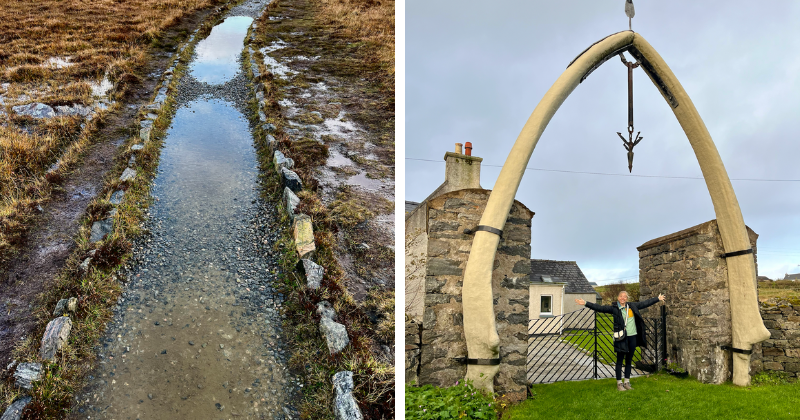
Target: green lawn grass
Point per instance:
(659, 396)
(605, 341)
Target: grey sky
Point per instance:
(476, 70)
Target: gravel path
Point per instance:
(196, 334)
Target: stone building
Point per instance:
(688, 267)
(438, 242)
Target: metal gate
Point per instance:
(580, 345)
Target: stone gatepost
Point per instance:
(447, 252)
(688, 268)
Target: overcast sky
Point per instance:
(475, 70)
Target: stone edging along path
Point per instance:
(344, 404)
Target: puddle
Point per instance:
(196, 334)
(101, 88)
(336, 158)
(277, 68)
(274, 46)
(216, 55)
(58, 62)
(363, 181)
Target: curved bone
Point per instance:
(480, 327)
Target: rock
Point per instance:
(116, 197)
(362, 246)
(151, 116)
(259, 96)
(290, 201)
(313, 272)
(303, 236)
(144, 133)
(100, 229)
(291, 180)
(281, 161)
(55, 336)
(345, 406)
(84, 268)
(269, 127)
(14, 411)
(35, 110)
(27, 373)
(127, 175)
(335, 335)
(137, 147)
(325, 310)
(132, 161)
(262, 117)
(272, 143)
(75, 109)
(72, 304)
(62, 307)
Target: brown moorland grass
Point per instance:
(92, 40)
(370, 21)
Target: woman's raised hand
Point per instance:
(580, 301)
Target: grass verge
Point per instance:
(659, 396)
(370, 324)
(50, 52)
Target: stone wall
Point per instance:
(448, 251)
(413, 344)
(686, 266)
(781, 352)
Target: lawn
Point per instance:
(659, 396)
(605, 342)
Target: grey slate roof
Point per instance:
(410, 206)
(792, 277)
(561, 271)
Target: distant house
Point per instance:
(792, 277)
(410, 206)
(548, 275)
(763, 278)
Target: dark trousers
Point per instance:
(628, 358)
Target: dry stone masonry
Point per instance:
(449, 215)
(781, 352)
(688, 268)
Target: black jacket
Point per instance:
(619, 321)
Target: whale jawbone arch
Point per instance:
(480, 329)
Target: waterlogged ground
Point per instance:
(197, 334)
(326, 95)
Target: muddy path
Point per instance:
(328, 93)
(197, 332)
(50, 240)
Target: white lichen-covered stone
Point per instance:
(335, 335)
(290, 202)
(100, 229)
(55, 336)
(14, 411)
(313, 273)
(27, 373)
(281, 161)
(127, 175)
(345, 406)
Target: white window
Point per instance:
(546, 307)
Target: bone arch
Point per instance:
(480, 327)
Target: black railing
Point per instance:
(580, 345)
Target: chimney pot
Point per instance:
(458, 149)
(468, 148)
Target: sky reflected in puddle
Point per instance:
(216, 55)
